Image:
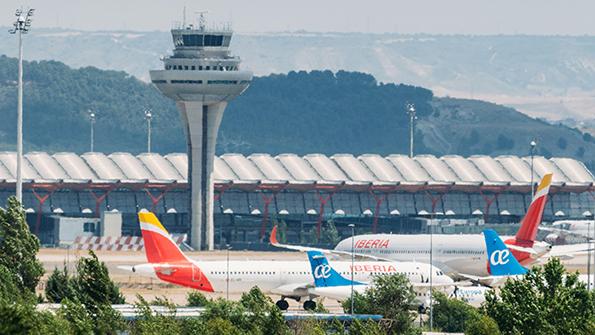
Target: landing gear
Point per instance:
(282, 304)
(309, 305)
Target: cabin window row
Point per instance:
(244, 272)
(466, 252)
(210, 82)
(202, 68)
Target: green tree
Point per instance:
(78, 318)
(9, 291)
(154, 323)
(367, 327)
(108, 321)
(60, 285)
(274, 322)
(263, 313)
(87, 295)
(562, 143)
(481, 324)
(452, 315)
(504, 143)
(196, 299)
(18, 247)
(93, 283)
(390, 296)
(547, 300)
(232, 311)
(309, 327)
(282, 231)
(192, 326)
(23, 318)
(329, 233)
(221, 326)
(255, 300)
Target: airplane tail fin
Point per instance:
(530, 223)
(159, 246)
(165, 257)
(324, 275)
(501, 261)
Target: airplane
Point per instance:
(502, 263)
(330, 283)
(289, 279)
(458, 253)
(570, 231)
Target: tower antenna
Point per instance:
(184, 18)
(202, 21)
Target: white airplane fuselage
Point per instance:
(292, 278)
(458, 253)
(461, 253)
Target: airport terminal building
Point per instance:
(382, 194)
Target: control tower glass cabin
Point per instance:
(201, 76)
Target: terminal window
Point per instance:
(202, 40)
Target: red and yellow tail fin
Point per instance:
(530, 223)
(168, 261)
(159, 246)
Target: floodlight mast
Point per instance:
(202, 21)
(148, 117)
(20, 26)
(411, 111)
(92, 120)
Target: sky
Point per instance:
(540, 17)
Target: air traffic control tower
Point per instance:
(201, 76)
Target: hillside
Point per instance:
(543, 76)
(301, 112)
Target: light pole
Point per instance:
(92, 118)
(589, 246)
(533, 144)
(21, 26)
(412, 118)
(431, 271)
(587, 215)
(148, 117)
(352, 226)
(227, 281)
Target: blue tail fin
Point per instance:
(501, 261)
(324, 275)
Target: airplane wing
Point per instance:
(569, 251)
(563, 232)
(273, 240)
(487, 281)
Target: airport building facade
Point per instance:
(303, 193)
